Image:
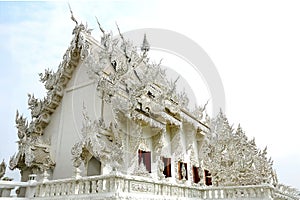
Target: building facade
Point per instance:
(111, 126)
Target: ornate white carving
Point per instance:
(283, 190)
(141, 170)
(2, 169)
(160, 169)
(232, 159)
(131, 85)
(100, 142)
(176, 143)
(35, 151)
(141, 187)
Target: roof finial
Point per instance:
(145, 46)
(123, 40)
(101, 29)
(72, 16)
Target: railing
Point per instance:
(139, 188)
(238, 192)
(134, 187)
(286, 193)
(7, 186)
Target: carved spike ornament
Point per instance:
(232, 159)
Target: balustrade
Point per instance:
(122, 185)
(128, 184)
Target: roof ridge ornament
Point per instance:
(124, 44)
(99, 25)
(72, 16)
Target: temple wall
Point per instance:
(65, 127)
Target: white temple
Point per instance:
(113, 127)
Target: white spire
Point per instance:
(145, 46)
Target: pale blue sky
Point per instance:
(255, 46)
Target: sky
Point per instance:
(255, 46)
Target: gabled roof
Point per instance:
(42, 109)
(122, 74)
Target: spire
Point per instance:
(72, 16)
(145, 46)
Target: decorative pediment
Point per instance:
(99, 141)
(30, 151)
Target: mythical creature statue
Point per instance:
(2, 169)
(35, 105)
(160, 167)
(22, 126)
(48, 78)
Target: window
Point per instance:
(196, 174)
(145, 156)
(167, 167)
(182, 171)
(93, 167)
(207, 175)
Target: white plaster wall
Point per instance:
(65, 127)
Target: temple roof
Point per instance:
(122, 74)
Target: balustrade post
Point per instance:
(94, 187)
(206, 194)
(119, 185)
(107, 185)
(86, 187)
(246, 192)
(226, 195)
(77, 172)
(213, 193)
(251, 193)
(126, 187)
(52, 190)
(100, 186)
(63, 189)
(47, 190)
(219, 193)
(76, 187)
(5, 192)
(30, 189)
(73, 187)
(267, 192)
(258, 192)
(45, 177)
(68, 188)
(58, 189)
(80, 187)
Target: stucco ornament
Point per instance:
(130, 83)
(99, 141)
(232, 158)
(2, 169)
(33, 148)
(140, 95)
